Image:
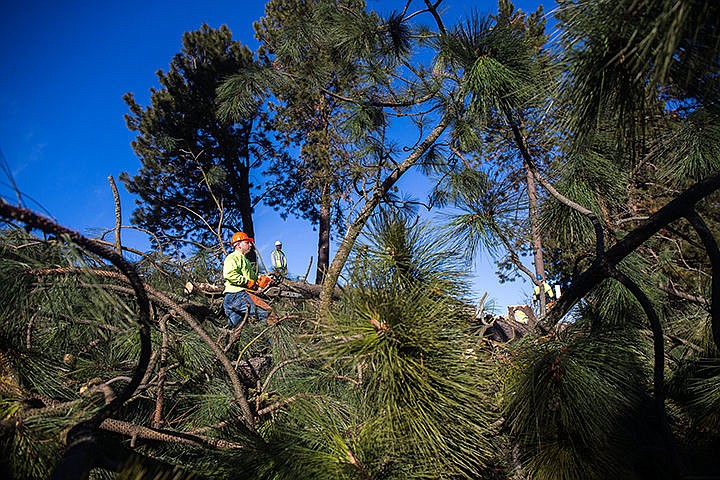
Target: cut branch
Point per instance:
(118, 215)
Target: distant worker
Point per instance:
(279, 262)
(240, 277)
(549, 292)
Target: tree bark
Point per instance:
(534, 215)
(323, 236)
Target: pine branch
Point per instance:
(157, 414)
(681, 206)
(118, 215)
(82, 439)
(162, 298)
(137, 431)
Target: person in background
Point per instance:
(549, 292)
(240, 277)
(279, 261)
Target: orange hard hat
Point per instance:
(239, 237)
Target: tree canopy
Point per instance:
(111, 368)
(195, 180)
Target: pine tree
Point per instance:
(506, 74)
(194, 183)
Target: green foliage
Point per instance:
(592, 180)
(572, 402)
(505, 79)
(195, 165)
(495, 57)
(704, 389)
(387, 389)
(691, 150)
(423, 402)
(609, 51)
(68, 339)
(483, 209)
(394, 383)
(29, 452)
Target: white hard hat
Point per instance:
(278, 243)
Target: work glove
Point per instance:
(251, 284)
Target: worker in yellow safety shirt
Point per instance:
(549, 292)
(240, 277)
(279, 261)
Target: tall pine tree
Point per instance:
(194, 182)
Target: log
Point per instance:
(306, 290)
(285, 288)
(522, 314)
(503, 329)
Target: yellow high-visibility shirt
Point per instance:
(237, 270)
(548, 291)
(278, 259)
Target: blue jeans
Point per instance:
(239, 304)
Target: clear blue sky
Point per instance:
(66, 66)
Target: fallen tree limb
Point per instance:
(138, 431)
(681, 207)
(156, 295)
(80, 456)
(304, 290)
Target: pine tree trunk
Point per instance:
(534, 215)
(323, 236)
(238, 169)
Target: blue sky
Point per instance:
(66, 66)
